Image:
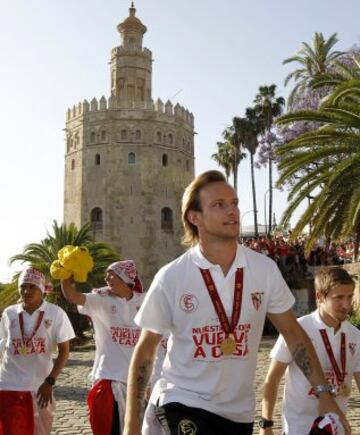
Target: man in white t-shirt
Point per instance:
(337, 344)
(29, 331)
(213, 300)
(112, 310)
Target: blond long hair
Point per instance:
(191, 201)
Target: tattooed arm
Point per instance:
(306, 358)
(138, 378)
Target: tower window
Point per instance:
(92, 137)
(171, 139)
(158, 137)
(131, 158)
(138, 134)
(164, 160)
(97, 159)
(123, 134)
(103, 135)
(187, 165)
(166, 219)
(96, 219)
(72, 164)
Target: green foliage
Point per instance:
(8, 295)
(333, 153)
(355, 319)
(314, 61)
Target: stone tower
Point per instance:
(129, 159)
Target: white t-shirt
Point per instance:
(300, 405)
(194, 372)
(27, 372)
(115, 333)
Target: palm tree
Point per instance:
(333, 154)
(314, 61)
(248, 129)
(41, 255)
(232, 148)
(268, 107)
(224, 157)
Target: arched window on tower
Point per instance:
(138, 135)
(72, 164)
(97, 159)
(92, 137)
(164, 160)
(170, 139)
(166, 219)
(131, 158)
(103, 135)
(96, 219)
(123, 134)
(158, 137)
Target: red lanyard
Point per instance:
(37, 326)
(218, 305)
(339, 376)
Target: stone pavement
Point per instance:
(73, 383)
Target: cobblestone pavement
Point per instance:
(73, 383)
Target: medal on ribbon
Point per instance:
(25, 348)
(228, 345)
(343, 389)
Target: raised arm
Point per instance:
(138, 378)
(270, 391)
(71, 294)
(305, 357)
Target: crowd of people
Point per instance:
(285, 251)
(180, 359)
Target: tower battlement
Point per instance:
(164, 111)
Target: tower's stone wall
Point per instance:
(128, 161)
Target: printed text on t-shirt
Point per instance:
(207, 340)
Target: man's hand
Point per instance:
(327, 404)
(44, 395)
(267, 431)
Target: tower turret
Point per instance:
(131, 64)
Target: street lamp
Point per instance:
(265, 220)
(242, 217)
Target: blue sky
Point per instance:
(216, 53)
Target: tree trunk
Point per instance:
(235, 170)
(270, 196)
(254, 195)
(357, 245)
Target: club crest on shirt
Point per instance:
(47, 323)
(187, 427)
(256, 298)
(189, 303)
(352, 348)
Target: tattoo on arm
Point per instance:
(142, 379)
(302, 359)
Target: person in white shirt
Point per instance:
(112, 310)
(29, 331)
(213, 300)
(337, 344)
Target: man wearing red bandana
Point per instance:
(112, 310)
(29, 331)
